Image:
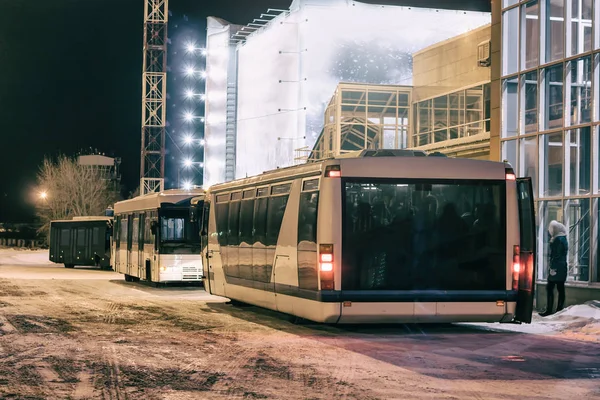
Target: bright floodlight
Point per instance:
(190, 47)
(203, 74)
(202, 51)
(187, 185)
(189, 93)
(188, 116)
(202, 142)
(202, 97)
(188, 139)
(187, 162)
(189, 71)
(43, 195)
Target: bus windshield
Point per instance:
(401, 234)
(177, 234)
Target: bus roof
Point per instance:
(371, 164)
(154, 200)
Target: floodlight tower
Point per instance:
(154, 97)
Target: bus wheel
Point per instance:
(69, 266)
(128, 278)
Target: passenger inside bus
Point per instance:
(403, 236)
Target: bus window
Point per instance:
(416, 234)
(64, 236)
(172, 229)
(96, 236)
(81, 237)
(259, 251)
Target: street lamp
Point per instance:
(187, 185)
(43, 195)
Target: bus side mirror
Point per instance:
(153, 227)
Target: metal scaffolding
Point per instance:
(154, 97)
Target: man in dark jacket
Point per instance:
(557, 271)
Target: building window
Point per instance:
(510, 41)
(510, 107)
(456, 115)
(509, 152)
(530, 35)
(555, 34)
(554, 97)
(529, 103)
(552, 162)
(595, 238)
(577, 221)
(581, 26)
(528, 160)
(578, 158)
(548, 211)
(581, 90)
(508, 3)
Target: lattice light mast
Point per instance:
(154, 88)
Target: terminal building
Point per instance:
(328, 77)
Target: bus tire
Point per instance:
(69, 265)
(128, 278)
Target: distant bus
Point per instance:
(157, 238)
(382, 236)
(82, 241)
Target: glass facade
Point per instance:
(550, 119)
(455, 115)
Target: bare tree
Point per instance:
(71, 190)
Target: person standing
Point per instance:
(557, 271)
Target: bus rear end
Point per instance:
(420, 240)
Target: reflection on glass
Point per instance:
(509, 152)
(578, 225)
(554, 97)
(579, 160)
(552, 160)
(510, 107)
(555, 35)
(530, 35)
(528, 158)
(581, 26)
(510, 41)
(530, 108)
(581, 90)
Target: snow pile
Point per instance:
(581, 322)
(18, 256)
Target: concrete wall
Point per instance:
(450, 65)
(574, 295)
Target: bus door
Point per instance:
(527, 254)
(141, 239)
(117, 242)
(206, 249)
(129, 242)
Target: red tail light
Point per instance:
(333, 171)
(326, 266)
(511, 177)
(516, 267)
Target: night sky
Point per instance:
(70, 80)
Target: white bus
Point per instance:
(382, 236)
(156, 237)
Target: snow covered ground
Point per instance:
(580, 322)
(22, 256)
